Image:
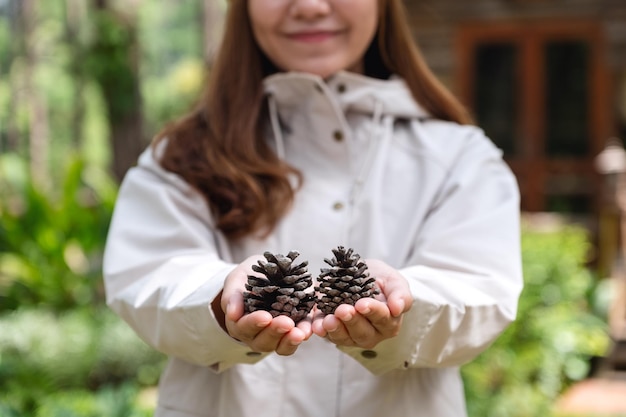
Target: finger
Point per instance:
(236, 279)
(375, 311)
(234, 307)
(379, 316)
(305, 326)
(290, 342)
(249, 326)
(317, 325)
(267, 339)
(397, 306)
(359, 328)
(399, 298)
(336, 331)
(318, 328)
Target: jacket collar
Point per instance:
(350, 91)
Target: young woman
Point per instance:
(320, 126)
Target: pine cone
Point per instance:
(345, 282)
(282, 289)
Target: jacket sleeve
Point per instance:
(163, 266)
(465, 273)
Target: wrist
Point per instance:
(216, 306)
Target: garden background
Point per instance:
(84, 85)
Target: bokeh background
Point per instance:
(86, 84)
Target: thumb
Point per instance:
(399, 299)
(234, 307)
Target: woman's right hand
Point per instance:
(258, 329)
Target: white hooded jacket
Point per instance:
(430, 198)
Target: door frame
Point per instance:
(532, 166)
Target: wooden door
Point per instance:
(539, 89)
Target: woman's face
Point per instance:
(320, 37)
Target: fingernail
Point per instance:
(348, 317)
(282, 330)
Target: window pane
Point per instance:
(569, 192)
(567, 99)
(495, 100)
(569, 204)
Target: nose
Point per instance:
(310, 9)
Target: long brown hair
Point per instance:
(220, 149)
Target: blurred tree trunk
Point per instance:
(13, 142)
(37, 109)
(74, 15)
(212, 24)
(114, 58)
(12, 132)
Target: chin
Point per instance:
(321, 69)
(322, 73)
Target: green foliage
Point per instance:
(184, 82)
(110, 61)
(184, 39)
(51, 243)
(108, 402)
(48, 361)
(87, 80)
(5, 46)
(172, 70)
(71, 357)
(61, 354)
(549, 345)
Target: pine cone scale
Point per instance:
(281, 290)
(345, 282)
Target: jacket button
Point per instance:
(338, 206)
(369, 354)
(253, 354)
(338, 135)
(341, 88)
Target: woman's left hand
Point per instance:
(370, 320)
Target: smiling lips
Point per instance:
(313, 37)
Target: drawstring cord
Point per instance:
(376, 145)
(278, 134)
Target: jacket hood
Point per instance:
(350, 91)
